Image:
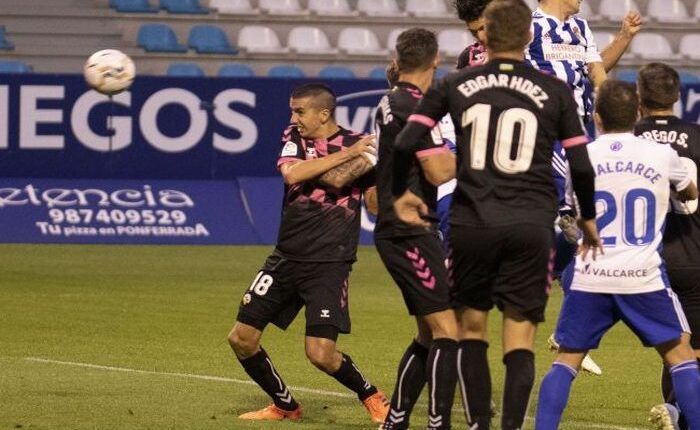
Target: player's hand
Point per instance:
(591, 241)
(367, 144)
(411, 210)
(569, 229)
(631, 24)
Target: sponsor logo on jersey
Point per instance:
(611, 273)
(289, 150)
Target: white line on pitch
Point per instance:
(247, 382)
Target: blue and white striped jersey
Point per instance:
(564, 49)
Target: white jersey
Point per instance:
(633, 181)
(564, 49)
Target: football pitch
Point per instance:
(134, 337)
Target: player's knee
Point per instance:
(322, 358)
(242, 344)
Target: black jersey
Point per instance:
(507, 116)
(682, 233)
(319, 223)
(392, 113)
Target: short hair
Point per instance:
(416, 49)
(470, 10)
(507, 25)
(659, 86)
(323, 95)
(617, 104)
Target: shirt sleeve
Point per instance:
(292, 148)
(571, 130)
(592, 54)
(435, 143)
(678, 175)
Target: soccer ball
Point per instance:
(109, 71)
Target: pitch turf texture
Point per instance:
(164, 312)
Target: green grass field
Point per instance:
(134, 337)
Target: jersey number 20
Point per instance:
(479, 116)
(630, 216)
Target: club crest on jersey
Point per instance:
(246, 298)
(616, 146)
(325, 313)
(289, 150)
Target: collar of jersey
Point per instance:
(546, 15)
(615, 136)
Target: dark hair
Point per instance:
(659, 86)
(507, 25)
(416, 49)
(470, 10)
(323, 96)
(617, 104)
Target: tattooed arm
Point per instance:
(346, 173)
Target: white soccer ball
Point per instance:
(109, 71)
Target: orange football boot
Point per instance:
(273, 413)
(378, 406)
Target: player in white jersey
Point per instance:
(634, 178)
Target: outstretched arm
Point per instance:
(631, 24)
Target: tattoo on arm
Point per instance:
(346, 173)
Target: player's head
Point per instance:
(568, 7)
(416, 51)
(659, 87)
(313, 109)
(616, 106)
(471, 12)
(507, 26)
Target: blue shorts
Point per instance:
(655, 317)
(443, 212)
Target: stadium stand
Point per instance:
(626, 75)
(336, 72)
(236, 70)
(210, 39)
(4, 43)
(359, 41)
(432, 8)
(690, 46)
(258, 38)
(233, 7)
(159, 38)
(602, 38)
(183, 6)
(670, 11)
(615, 10)
(282, 7)
(185, 70)
(286, 71)
(689, 78)
(377, 73)
(453, 41)
(651, 46)
(14, 67)
(133, 6)
(309, 40)
(391, 39)
(387, 8)
(330, 8)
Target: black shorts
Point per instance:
(283, 287)
(417, 264)
(503, 266)
(685, 282)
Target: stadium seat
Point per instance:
(615, 10)
(359, 41)
(209, 39)
(281, 7)
(379, 8)
(184, 70)
(696, 13)
(602, 39)
(453, 41)
(441, 72)
(668, 11)
(237, 7)
(133, 6)
(330, 7)
(689, 78)
(336, 72)
(393, 36)
(309, 40)
(158, 38)
(183, 6)
(257, 38)
(4, 43)
(690, 46)
(285, 71)
(651, 46)
(7, 66)
(587, 12)
(626, 75)
(378, 72)
(430, 8)
(236, 70)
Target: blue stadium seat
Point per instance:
(626, 75)
(183, 6)
(689, 78)
(377, 73)
(441, 72)
(285, 71)
(4, 43)
(132, 6)
(236, 70)
(14, 67)
(336, 72)
(185, 70)
(210, 39)
(158, 38)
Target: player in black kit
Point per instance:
(414, 255)
(325, 168)
(659, 89)
(503, 209)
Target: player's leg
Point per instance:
(583, 320)
(441, 367)
(476, 257)
(519, 360)
(325, 292)
(267, 300)
(682, 363)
